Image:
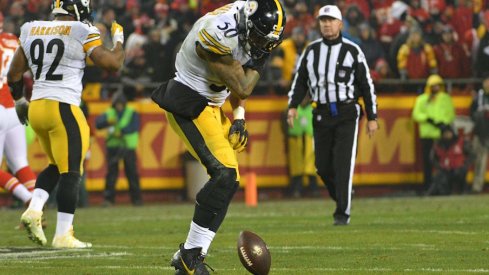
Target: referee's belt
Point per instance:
(326, 106)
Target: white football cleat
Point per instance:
(68, 240)
(32, 221)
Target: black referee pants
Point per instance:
(335, 140)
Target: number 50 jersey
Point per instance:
(216, 32)
(56, 52)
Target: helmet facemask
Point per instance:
(261, 44)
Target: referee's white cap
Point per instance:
(331, 11)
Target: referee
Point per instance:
(335, 73)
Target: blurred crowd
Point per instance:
(406, 40)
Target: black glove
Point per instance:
(22, 110)
(238, 135)
(257, 64)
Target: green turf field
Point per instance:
(446, 235)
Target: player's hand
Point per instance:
(291, 116)
(22, 110)
(257, 64)
(238, 135)
(117, 32)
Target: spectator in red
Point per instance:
(380, 72)
(462, 18)
(416, 59)
(381, 4)
(450, 56)
(418, 12)
(451, 157)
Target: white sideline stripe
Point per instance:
(34, 256)
(437, 270)
(288, 248)
(443, 232)
(140, 247)
(109, 267)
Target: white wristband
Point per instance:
(239, 112)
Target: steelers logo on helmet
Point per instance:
(266, 27)
(251, 7)
(79, 9)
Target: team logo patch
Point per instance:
(251, 7)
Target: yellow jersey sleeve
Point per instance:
(215, 38)
(92, 41)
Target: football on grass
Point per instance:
(253, 253)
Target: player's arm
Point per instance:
(238, 80)
(15, 79)
(110, 60)
(15, 74)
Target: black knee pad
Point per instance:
(67, 196)
(219, 190)
(48, 178)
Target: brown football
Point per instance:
(253, 253)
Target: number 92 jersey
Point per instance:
(216, 32)
(56, 52)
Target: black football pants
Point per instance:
(335, 140)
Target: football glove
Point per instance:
(238, 135)
(257, 64)
(117, 32)
(22, 110)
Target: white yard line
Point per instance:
(57, 254)
(446, 232)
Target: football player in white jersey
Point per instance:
(221, 57)
(55, 52)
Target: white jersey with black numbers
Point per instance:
(216, 32)
(56, 53)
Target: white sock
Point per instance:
(22, 193)
(39, 198)
(199, 236)
(64, 222)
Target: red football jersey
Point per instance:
(8, 44)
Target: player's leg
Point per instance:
(69, 139)
(12, 184)
(8, 181)
(41, 120)
(206, 139)
(16, 154)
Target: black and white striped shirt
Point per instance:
(334, 71)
